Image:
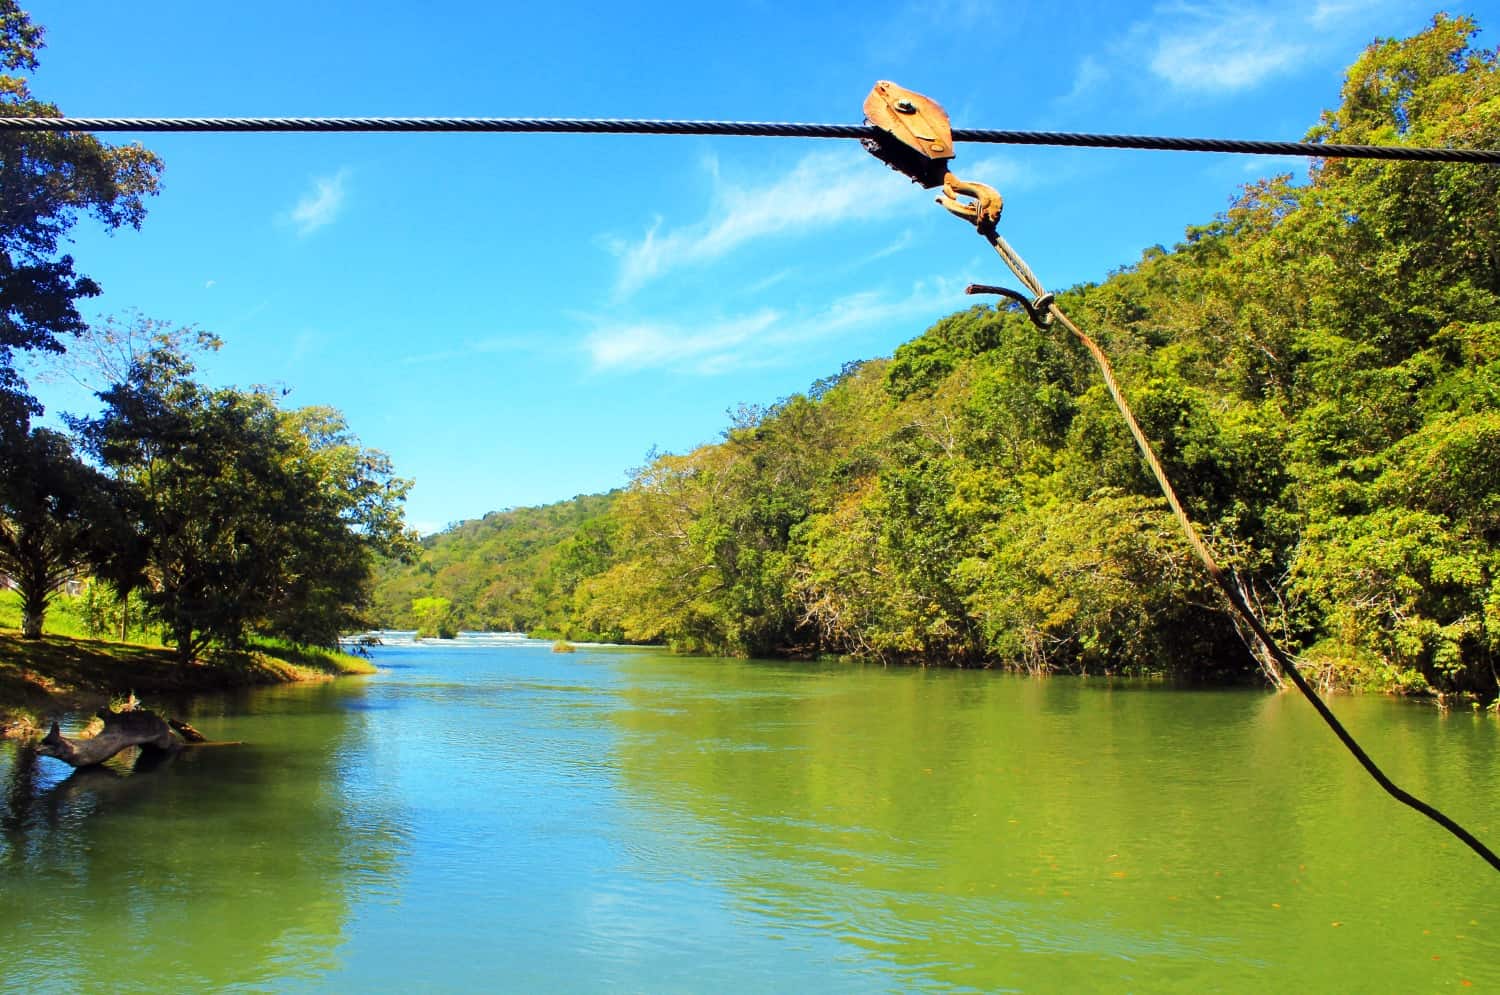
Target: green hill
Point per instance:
(508, 571)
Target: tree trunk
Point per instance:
(121, 730)
(34, 594)
(123, 591)
(182, 643)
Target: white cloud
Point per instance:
(1004, 173)
(321, 205)
(1328, 13)
(491, 345)
(207, 284)
(1221, 48)
(822, 190)
(767, 282)
(1218, 46)
(642, 345)
(764, 337)
(1088, 77)
(902, 242)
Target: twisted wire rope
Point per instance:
(753, 129)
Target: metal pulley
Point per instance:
(914, 138)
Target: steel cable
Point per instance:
(754, 129)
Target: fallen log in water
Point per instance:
(121, 730)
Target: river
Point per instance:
(495, 816)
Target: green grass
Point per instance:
(66, 670)
(66, 617)
(316, 658)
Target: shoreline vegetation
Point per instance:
(1318, 365)
(41, 679)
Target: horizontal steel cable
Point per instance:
(754, 129)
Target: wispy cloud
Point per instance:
(1004, 173)
(1089, 75)
(320, 205)
(1217, 47)
(1328, 13)
(822, 190)
(761, 338)
(646, 344)
(903, 241)
(494, 344)
(767, 282)
(1221, 47)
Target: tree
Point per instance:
(346, 512)
(434, 618)
(252, 518)
(47, 179)
(55, 516)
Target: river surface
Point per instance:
(493, 816)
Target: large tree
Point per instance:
(253, 518)
(346, 510)
(47, 180)
(56, 514)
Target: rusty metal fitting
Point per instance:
(913, 134)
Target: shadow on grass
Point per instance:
(55, 673)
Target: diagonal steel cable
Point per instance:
(1221, 579)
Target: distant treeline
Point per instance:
(1319, 368)
(510, 571)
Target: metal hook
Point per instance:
(1039, 310)
(983, 212)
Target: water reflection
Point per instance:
(230, 865)
(986, 832)
(501, 816)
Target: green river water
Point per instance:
(489, 815)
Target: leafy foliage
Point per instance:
(509, 571)
(56, 514)
(47, 179)
(247, 516)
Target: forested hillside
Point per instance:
(1319, 368)
(509, 571)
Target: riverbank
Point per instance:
(43, 677)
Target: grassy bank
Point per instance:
(42, 677)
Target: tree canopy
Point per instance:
(57, 514)
(249, 516)
(47, 180)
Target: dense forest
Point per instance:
(1319, 367)
(511, 571)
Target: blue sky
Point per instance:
(519, 319)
